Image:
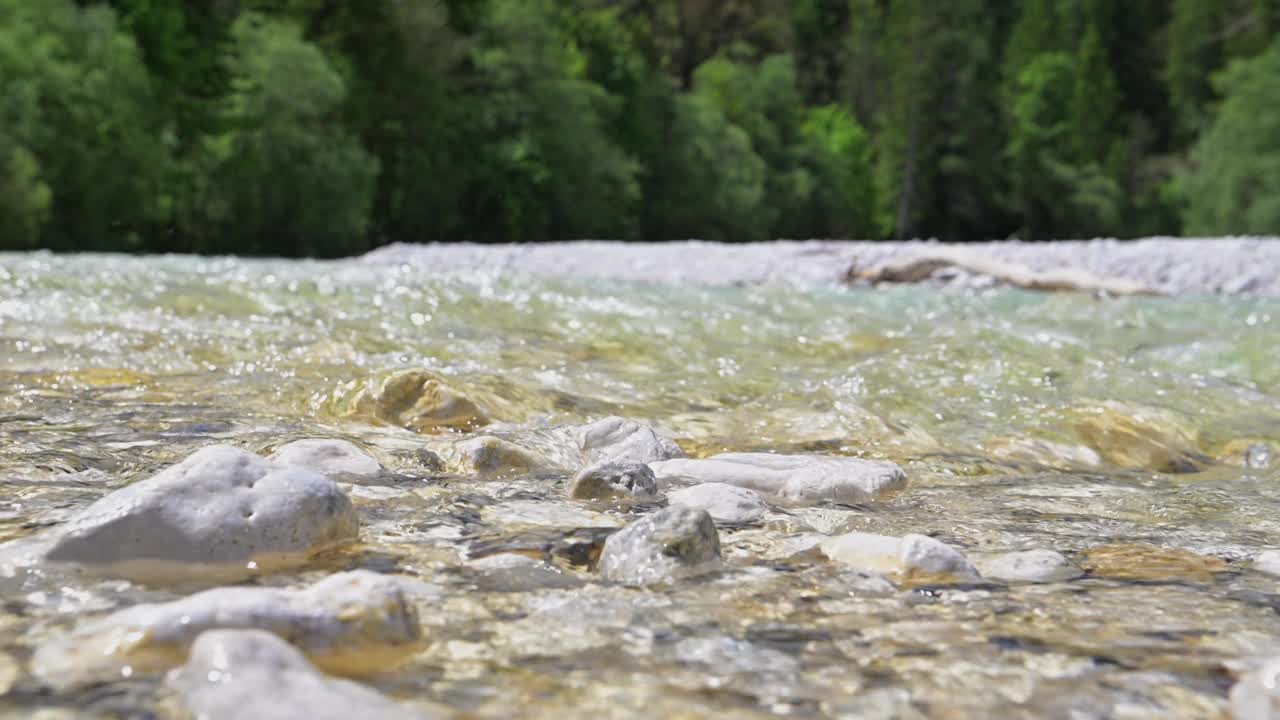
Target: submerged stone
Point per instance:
(334, 458)
(510, 572)
(254, 675)
(1030, 566)
(488, 455)
(663, 546)
(1044, 452)
(1257, 695)
(798, 478)
(222, 511)
(1139, 438)
(1268, 561)
(417, 400)
(1140, 561)
(618, 440)
(613, 480)
(352, 623)
(908, 557)
(726, 503)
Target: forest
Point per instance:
(328, 127)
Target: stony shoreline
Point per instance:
(1171, 266)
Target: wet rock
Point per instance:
(1030, 566)
(908, 557)
(509, 572)
(662, 546)
(417, 400)
(222, 511)
(1139, 561)
(618, 440)
(352, 623)
(1253, 454)
(726, 503)
(1257, 695)
(487, 455)
(1142, 439)
(613, 480)
(798, 478)
(335, 458)
(254, 675)
(1044, 452)
(1268, 561)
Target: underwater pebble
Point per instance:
(338, 459)
(1140, 438)
(618, 440)
(1032, 566)
(1257, 695)
(254, 675)
(726, 503)
(219, 511)
(905, 557)
(352, 623)
(1268, 561)
(417, 400)
(613, 480)
(798, 478)
(665, 545)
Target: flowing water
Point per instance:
(1132, 435)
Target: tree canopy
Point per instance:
(328, 127)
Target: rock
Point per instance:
(909, 557)
(618, 440)
(334, 458)
(417, 400)
(352, 623)
(222, 511)
(726, 503)
(798, 478)
(510, 572)
(1031, 566)
(613, 480)
(488, 455)
(1252, 454)
(1141, 439)
(663, 546)
(1268, 562)
(254, 675)
(1257, 695)
(1139, 561)
(1045, 452)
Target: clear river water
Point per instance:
(1132, 435)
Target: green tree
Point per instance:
(84, 154)
(1095, 101)
(843, 201)
(1234, 182)
(718, 180)
(1056, 195)
(543, 166)
(284, 177)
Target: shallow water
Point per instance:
(111, 368)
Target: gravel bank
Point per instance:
(1166, 265)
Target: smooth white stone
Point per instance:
(334, 458)
(352, 623)
(798, 478)
(221, 512)
(905, 556)
(1032, 566)
(254, 675)
(727, 503)
(616, 439)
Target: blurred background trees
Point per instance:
(327, 127)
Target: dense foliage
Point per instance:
(326, 127)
